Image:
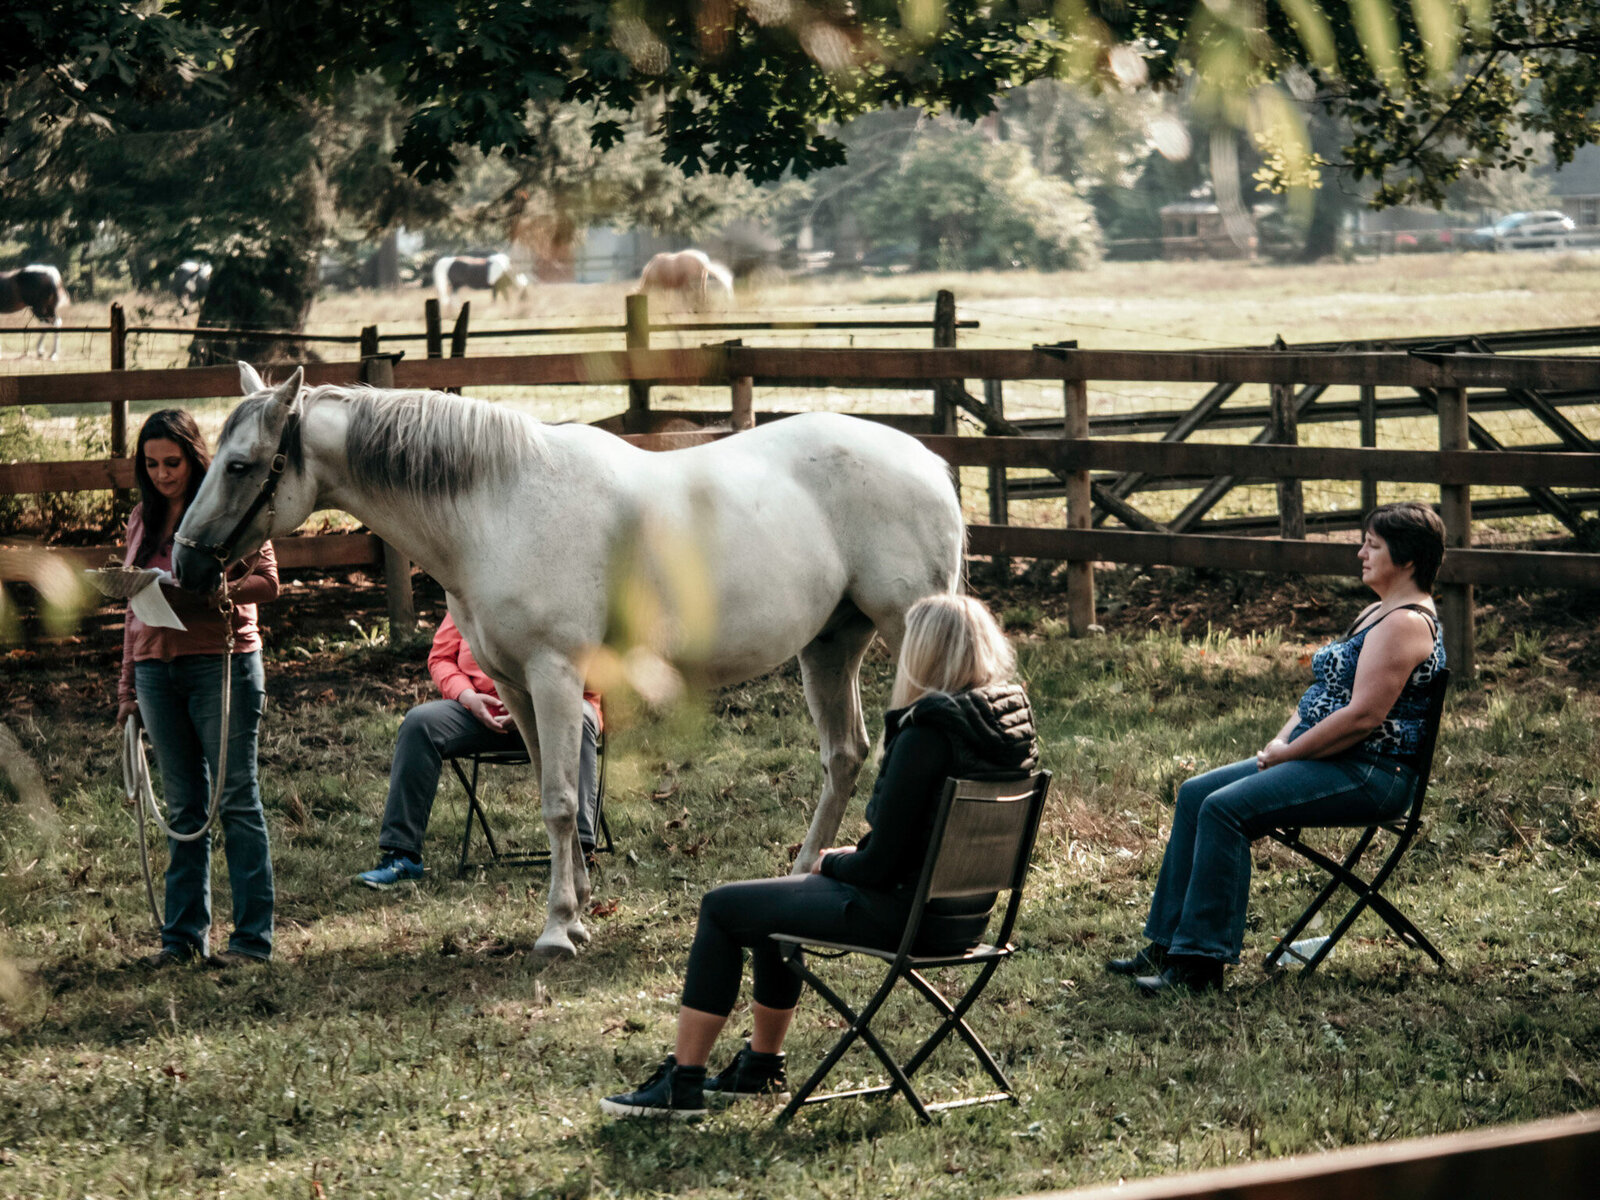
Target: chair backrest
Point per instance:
(983, 835)
(1430, 733)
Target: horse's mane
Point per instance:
(426, 445)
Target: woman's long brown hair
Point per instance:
(175, 425)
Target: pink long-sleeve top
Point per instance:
(253, 581)
(453, 668)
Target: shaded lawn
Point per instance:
(407, 1044)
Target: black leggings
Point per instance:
(737, 916)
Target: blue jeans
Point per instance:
(1204, 885)
(440, 728)
(180, 703)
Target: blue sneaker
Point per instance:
(392, 868)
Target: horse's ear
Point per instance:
(289, 390)
(249, 382)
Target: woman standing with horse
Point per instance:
(173, 679)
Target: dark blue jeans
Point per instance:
(438, 728)
(1204, 885)
(180, 703)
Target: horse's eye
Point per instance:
(238, 468)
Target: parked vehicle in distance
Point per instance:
(1522, 231)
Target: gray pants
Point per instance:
(441, 728)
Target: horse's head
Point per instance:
(256, 487)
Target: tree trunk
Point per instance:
(271, 290)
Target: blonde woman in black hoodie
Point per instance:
(953, 712)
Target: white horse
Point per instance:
(688, 273)
(813, 533)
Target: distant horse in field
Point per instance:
(36, 287)
(190, 282)
(687, 273)
(454, 272)
(807, 536)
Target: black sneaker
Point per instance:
(1152, 960)
(750, 1074)
(673, 1091)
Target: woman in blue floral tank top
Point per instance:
(1342, 758)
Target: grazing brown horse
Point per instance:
(36, 287)
(687, 273)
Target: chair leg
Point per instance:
(859, 1027)
(471, 790)
(1404, 929)
(955, 1022)
(1367, 896)
(1341, 874)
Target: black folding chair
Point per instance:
(520, 757)
(983, 836)
(1343, 873)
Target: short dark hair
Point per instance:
(1415, 536)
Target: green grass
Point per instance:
(407, 1044)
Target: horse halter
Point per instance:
(223, 550)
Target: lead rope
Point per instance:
(136, 785)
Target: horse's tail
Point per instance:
(441, 280)
(715, 270)
(54, 275)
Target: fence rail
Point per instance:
(1553, 1158)
(1096, 474)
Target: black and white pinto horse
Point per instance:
(37, 287)
(454, 272)
(190, 283)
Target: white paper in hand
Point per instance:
(142, 589)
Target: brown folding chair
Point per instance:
(983, 835)
(475, 811)
(1343, 872)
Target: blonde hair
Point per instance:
(952, 644)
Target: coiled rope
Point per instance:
(136, 786)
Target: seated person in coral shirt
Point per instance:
(469, 719)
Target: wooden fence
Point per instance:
(1454, 467)
(1312, 405)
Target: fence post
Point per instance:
(1455, 507)
(944, 337)
(1286, 432)
(369, 349)
(944, 406)
(377, 370)
(119, 362)
(999, 499)
(1080, 506)
(458, 336)
(1369, 441)
(637, 337)
(434, 326)
(744, 410)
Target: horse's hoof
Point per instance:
(555, 945)
(578, 933)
